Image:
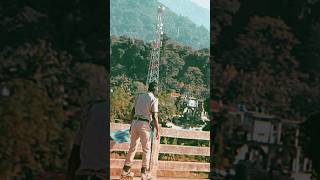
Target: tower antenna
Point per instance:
(153, 72)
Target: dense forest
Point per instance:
(137, 18)
(266, 54)
(182, 70)
(51, 65)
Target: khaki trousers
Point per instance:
(139, 130)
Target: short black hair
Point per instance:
(152, 86)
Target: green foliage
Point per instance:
(196, 86)
(224, 11)
(172, 64)
(188, 121)
(263, 70)
(175, 61)
(182, 70)
(265, 40)
(44, 103)
(167, 107)
(121, 101)
(120, 98)
(266, 55)
(310, 52)
(165, 141)
(175, 142)
(53, 67)
(130, 57)
(310, 131)
(31, 126)
(94, 77)
(138, 87)
(137, 18)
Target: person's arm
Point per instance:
(156, 124)
(74, 158)
(133, 109)
(154, 114)
(131, 117)
(132, 114)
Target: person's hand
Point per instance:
(157, 135)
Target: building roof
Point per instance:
(174, 94)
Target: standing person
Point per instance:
(144, 111)
(89, 156)
(88, 159)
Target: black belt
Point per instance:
(141, 119)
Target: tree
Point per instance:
(223, 11)
(94, 78)
(41, 67)
(267, 57)
(129, 56)
(121, 98)
(121, 101)
(262, 69)
(167, 108)
(265, 40)
(193, 78)
(310, 129)
(310, 53)
(138, 87)
(172, 64)
(32, 137)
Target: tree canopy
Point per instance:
(266, 56)
(182, 70)
(52, 66)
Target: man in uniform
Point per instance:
(144, 111)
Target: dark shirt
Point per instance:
(92, 137)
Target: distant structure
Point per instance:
(265, 142)
(153, 72)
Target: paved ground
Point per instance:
(301, 176)
(159, 178)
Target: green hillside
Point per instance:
(182, 70)
(191, 10)
(131, 58)
(136, 18)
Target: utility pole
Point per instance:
(153, 72)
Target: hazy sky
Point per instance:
(203, 3)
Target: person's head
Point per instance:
(153, 87)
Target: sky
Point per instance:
(203, 3)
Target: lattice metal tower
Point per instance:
(153, 72)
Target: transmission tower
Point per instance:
(153, 72)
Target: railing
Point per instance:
(157, 148)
